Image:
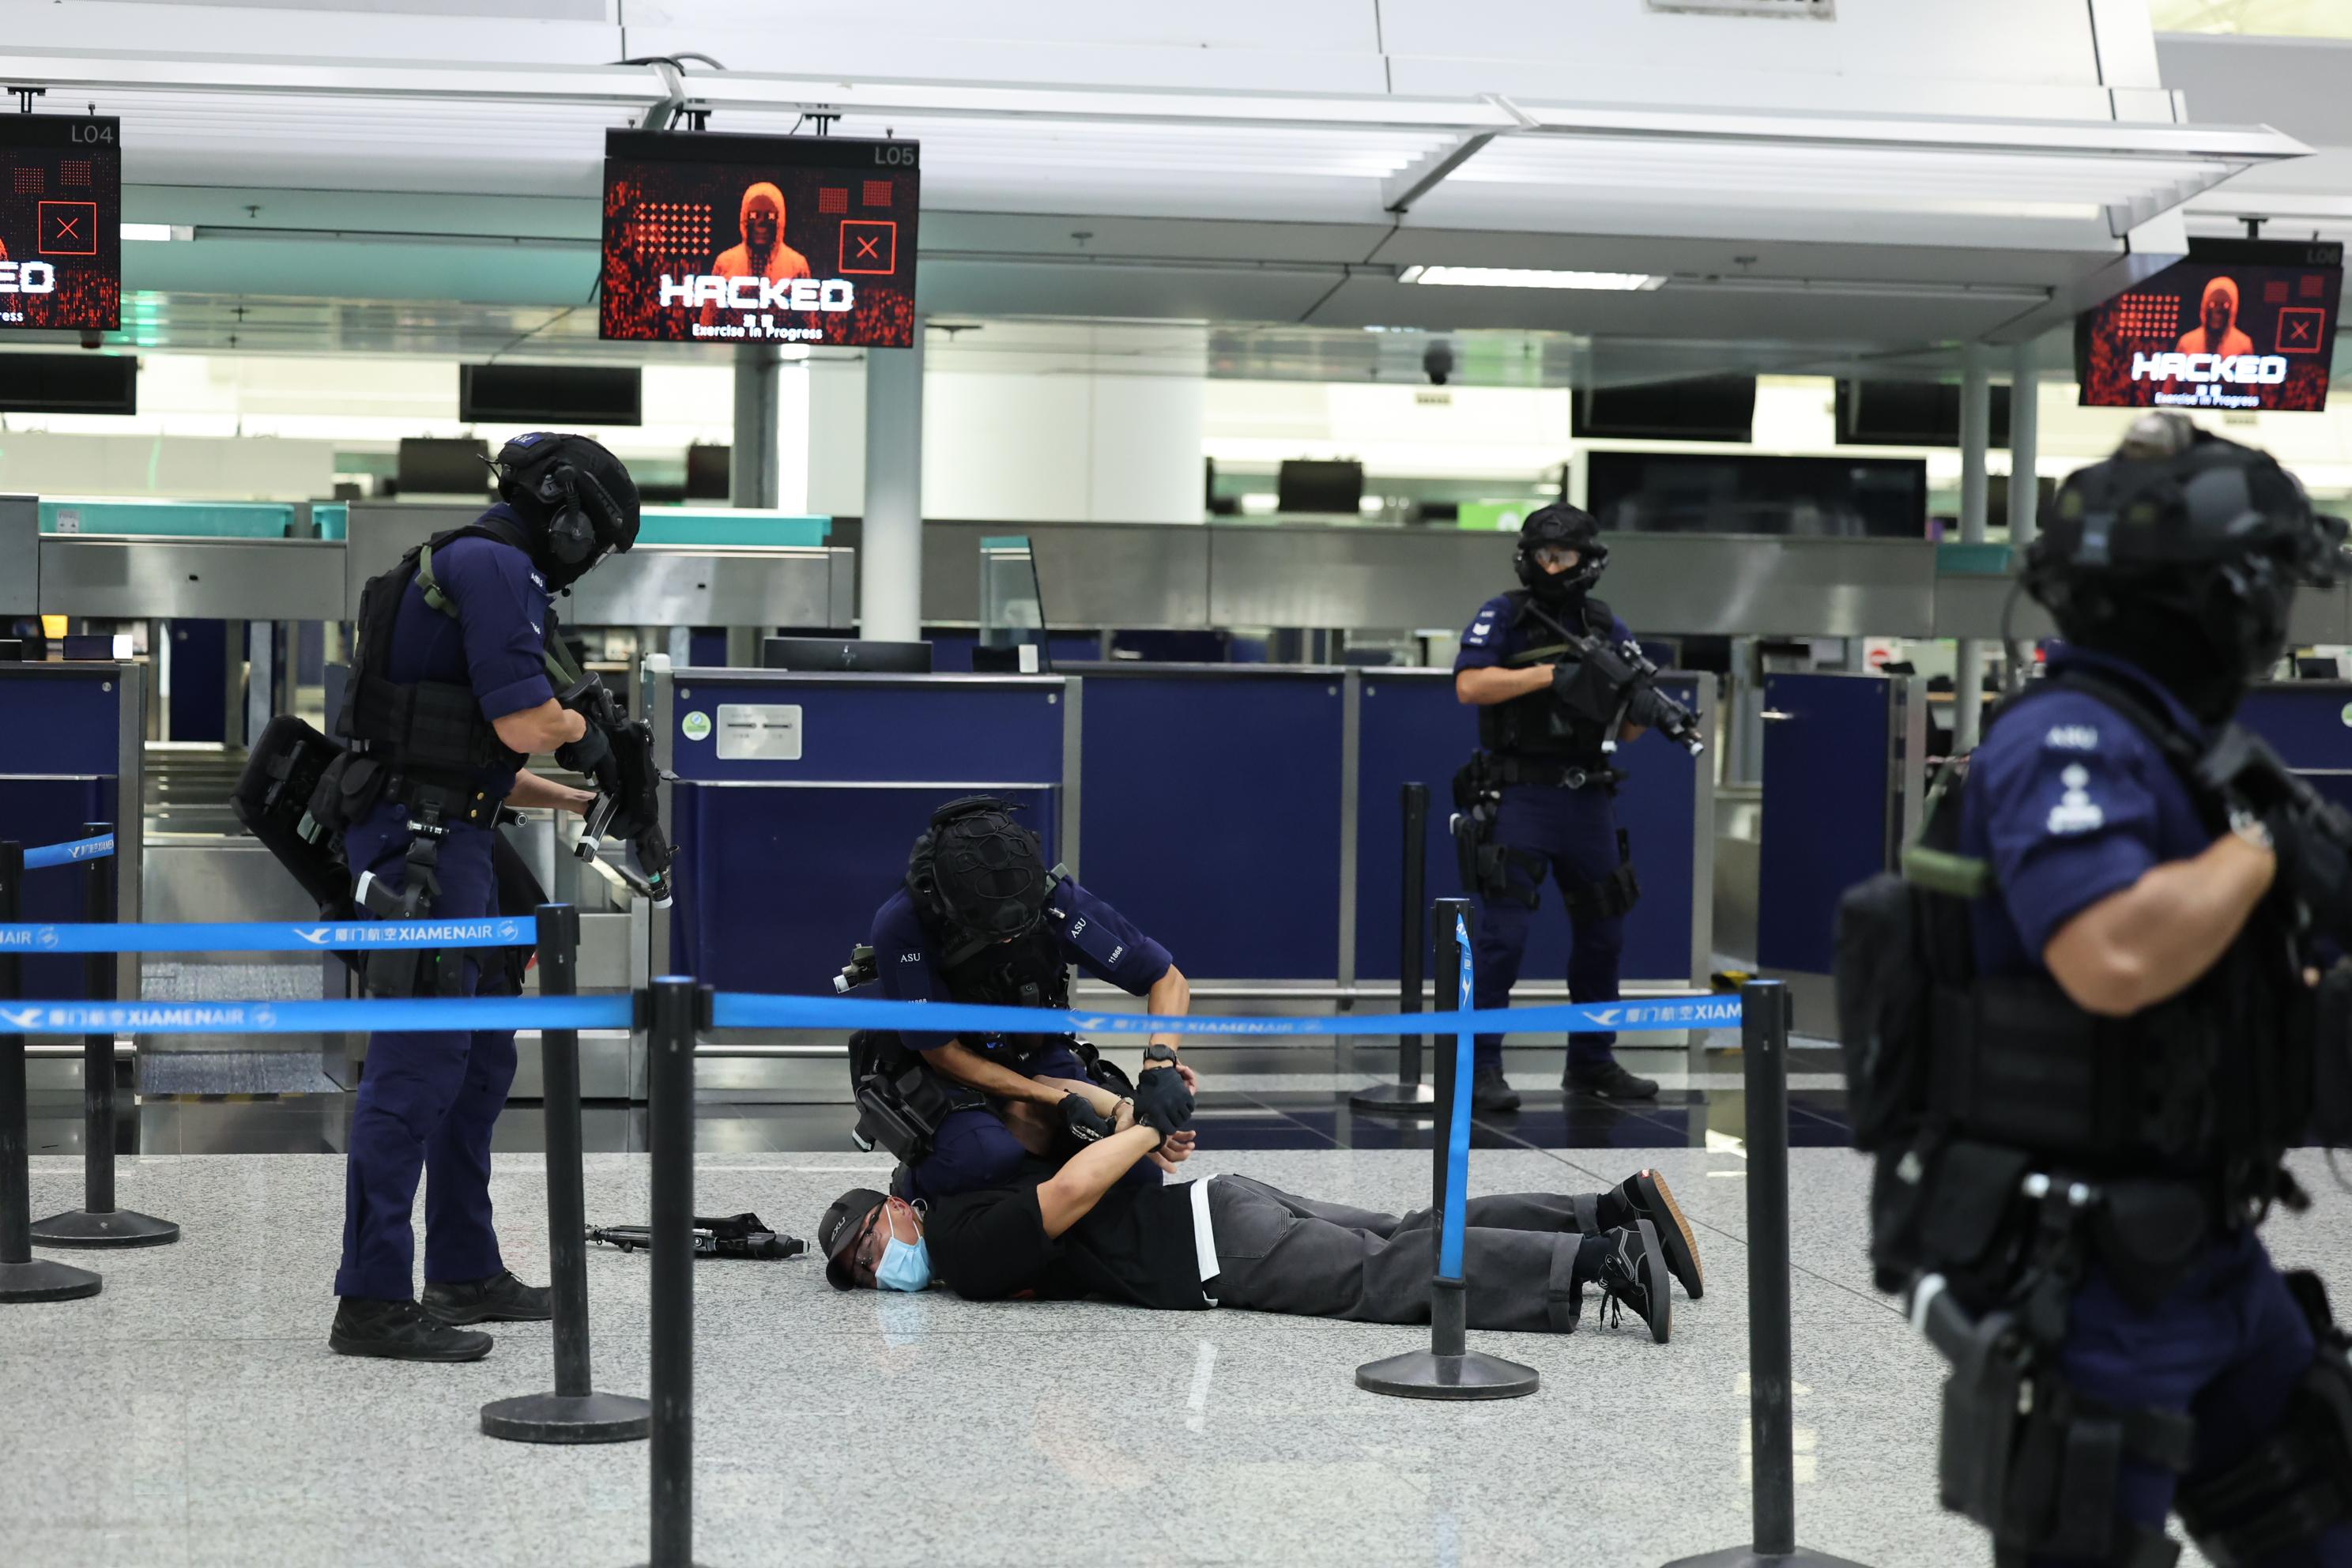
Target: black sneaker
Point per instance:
(1634, 1274)
(400, 1331)
(501, 1297)
(1655, 1200)
(1490, 1090)
(1611, 1082)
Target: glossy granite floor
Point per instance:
(192, 1414)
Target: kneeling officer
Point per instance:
(455, 683)
(982, 919)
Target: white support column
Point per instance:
(2024, 440)
(1976, 438)
(752, 466)
(890, 552)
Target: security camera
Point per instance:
(1437, 360)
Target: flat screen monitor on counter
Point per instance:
(777, 239)
(2241, 325)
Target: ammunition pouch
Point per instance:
(1612, 895)
(902, 1102)
(2038, 1466)
(2297, 1483)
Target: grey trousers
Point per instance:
(1277, 1252)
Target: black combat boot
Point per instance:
(1490, 1090)
(400, 1331)
(501, 1297)
(1610, 1082)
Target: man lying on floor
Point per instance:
(1230, 1241)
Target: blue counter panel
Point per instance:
(60, 719)
(1414, 729)
(878, 729)
(38, 811)
(198, 705)
(1825, 805)
(1211, 817)
(2308, 722)
(776, 885)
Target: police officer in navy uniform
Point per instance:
(1557, 810)
(454, 685)
(980, 918)
(2129, 1048)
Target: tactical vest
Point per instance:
(1964, 1081)
(424, 741)
(1535, 724)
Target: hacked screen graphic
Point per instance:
(60, 222)
(2240, 324)
(802, 239)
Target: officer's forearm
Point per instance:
(1105, 1102)
(1485, 686)
(2158, 937)
(1171, 996)
(531, 791)
(535, 732)
(968, 1067)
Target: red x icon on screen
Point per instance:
(68, 228)
(2299, 329)
(869, 245)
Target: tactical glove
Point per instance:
(1161, 1101)
(1085, 1124)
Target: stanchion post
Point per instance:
(1409, 1095)
(22, 1277)
(97, 1223)
(1764, 1015)
(1449, 1368)
(676, 1008)
(576, 1411)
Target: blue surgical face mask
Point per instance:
(905, 1266)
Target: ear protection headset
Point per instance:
(571, 536)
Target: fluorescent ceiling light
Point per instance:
(158, 231)
(1528, 277)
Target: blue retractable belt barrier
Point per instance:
(68, 853)
(1457, 1160)
(264, 937)
(385, 1016)
(750, 1010)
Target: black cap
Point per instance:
(839, 1227)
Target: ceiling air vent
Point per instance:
(1817, 10)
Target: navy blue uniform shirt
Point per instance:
(1493, 637)
(1089, 933)
(2071, 802)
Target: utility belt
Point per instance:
(2038, 1464)
(903, 1100)
(1502, 872)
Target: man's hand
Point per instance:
(1163, 1101)
(1175, 1149)
(1084, 1122)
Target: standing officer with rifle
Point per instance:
(1558, 683)
(459, 675)
(2081, 1033)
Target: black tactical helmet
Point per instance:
(578, 498)
(2182, 552)
(979, 870)
(1564, 525)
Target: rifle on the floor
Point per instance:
(733, 1236)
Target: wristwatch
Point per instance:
(1155, 1052)
(2244, 823)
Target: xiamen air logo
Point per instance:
(263, 1017)
(1606, 1015)
(49, 937)
(316, 937)
(509, 929)
(21, 1017)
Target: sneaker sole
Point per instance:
(456, 1318)
(381, 1352)
(1681, 1245)
(1653, 1265)
(1613, 1098)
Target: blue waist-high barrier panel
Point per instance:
(1210, 812)
(783, 861)
(1413, 728)
(58, 771)
(1826, 809)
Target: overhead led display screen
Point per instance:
(60, 222)
(780, 239)
(2242, 324)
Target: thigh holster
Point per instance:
(1610, 896)
(2297, 1483)
(902, 1102)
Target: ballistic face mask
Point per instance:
(1553, 527)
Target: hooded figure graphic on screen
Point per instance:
(2217, 331)
(764, 253)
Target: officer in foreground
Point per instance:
(1559, 683)
(2082, 1033)
(457, 680)
(981, 919)
(1084, 1229)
